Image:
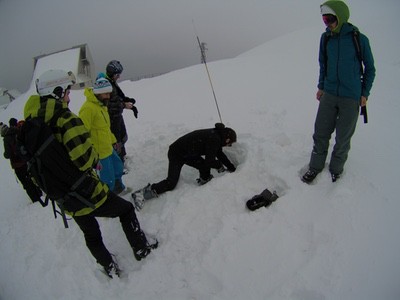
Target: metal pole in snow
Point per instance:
(203, 58)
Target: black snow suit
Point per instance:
(200, 149)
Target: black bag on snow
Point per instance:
(51, 167)
(264, 199)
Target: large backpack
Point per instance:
(50, 166)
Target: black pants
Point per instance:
(113, 207)
(31, 189)
(174, 171)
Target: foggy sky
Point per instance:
(147, 36)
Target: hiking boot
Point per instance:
(335, 177)
(309, 176)
(202, 181)
(148, 192)
(146, 250)
(140, 196)
(142, 253)
(138, 200)
(112, 269)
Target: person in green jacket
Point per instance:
(53, 87)
(94, 114)
(344, 85)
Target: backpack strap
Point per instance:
(61, 213)
(325, 43)
(357, 45)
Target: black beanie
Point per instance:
(230, 134)
(226, 132)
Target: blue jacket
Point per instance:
(342, 74)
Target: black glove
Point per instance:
(131, 100)
(232, 169)
(135, 111)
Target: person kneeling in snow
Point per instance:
(189, 150)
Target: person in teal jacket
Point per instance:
(342, 88)
(94, 114)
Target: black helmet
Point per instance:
(114, 67)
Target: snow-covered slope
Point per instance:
(323, 241)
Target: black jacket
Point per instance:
(207, 142)
(115, 108)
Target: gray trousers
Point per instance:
(334, 113)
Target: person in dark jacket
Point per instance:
(200, 149)
(53, 87)
(118, 102)
(17, 162)
(343, 87)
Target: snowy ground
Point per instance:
(320, 241)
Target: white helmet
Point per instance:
(54, 83)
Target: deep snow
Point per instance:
(320, 241)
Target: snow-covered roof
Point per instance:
(76, 59)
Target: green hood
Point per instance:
(342, 12)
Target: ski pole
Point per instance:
(203, 58)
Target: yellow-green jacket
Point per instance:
(71, 132)
(94, 115)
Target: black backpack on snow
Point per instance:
(50, 166)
